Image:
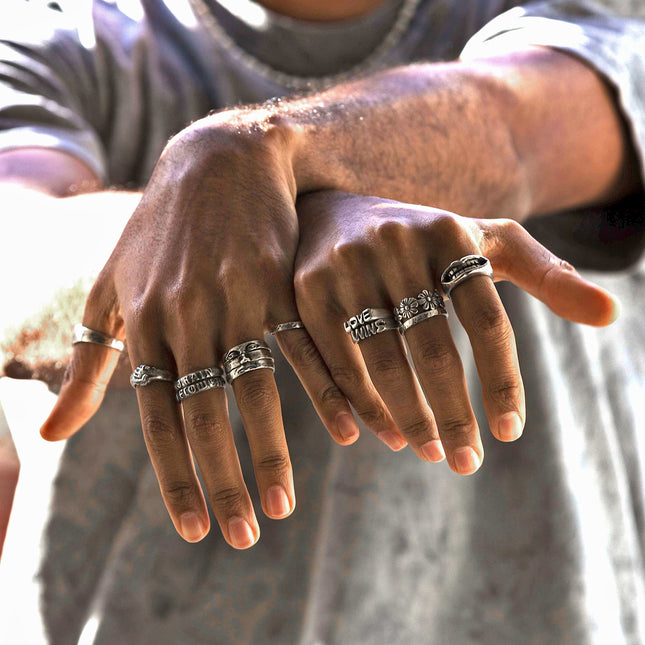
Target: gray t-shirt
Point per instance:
(543, 545)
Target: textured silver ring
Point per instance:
(294, 324)
(249, 366)
(369, 322)
(199, 375)
(411, 307)
(83, 334)
(196, 387)
(145, 374)
(245, 351)
(463, 269)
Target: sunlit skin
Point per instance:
(393, 137)
(327, 11)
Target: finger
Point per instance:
(442, 377)
(258, 401)
(348, 371)
(167, 445)
(518, 257)
(89, 370)
(396, 383)
(328, 400)
(211, 438)
(482, 315)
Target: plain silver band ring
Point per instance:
(196, 387)
(145, 374)
(199, 375)
(83, 334)
(424, 315)
(463, 269)
(295, 324)
(250, 366)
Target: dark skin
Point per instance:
(226, 188)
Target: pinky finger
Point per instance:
(328, 400)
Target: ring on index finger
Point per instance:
(463, 269)
(145, 374)
(246, 357)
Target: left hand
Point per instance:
(357, 252)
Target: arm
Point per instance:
(532, 132)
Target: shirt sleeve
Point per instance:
(610, 42)
(91, 81)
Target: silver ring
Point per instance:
(461, 270)
(199, 375)
(411, 307)
(83, 334)
(295, 324)
(424, 315)
(146, 374)
(249, 366)
(369, 322)
(195, 387)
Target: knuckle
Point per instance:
(373, 416)
(254, 394)
(179, 493)
(227, 498)
(388, 366)
(447, 226)
(435, 357)
(492, 323)
(416, 430)
(331, 395)
(347, 377)
(392, 231)
(273, 462)
(204, 428)
(506, 393)
(459, 430)
(303, 351)
(158, 431)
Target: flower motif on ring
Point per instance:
(429, 300)
(407, 308)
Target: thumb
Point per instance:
(518, 257)
(86, 379)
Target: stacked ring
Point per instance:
(369, 322)
(83, 334)
(412, 311)
(463, 269)
(246, 357)
(199, 381)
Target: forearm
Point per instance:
(532, 132)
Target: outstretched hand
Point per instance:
(365, 252)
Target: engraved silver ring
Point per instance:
(463, 269)
(369, 322)
(145, 374)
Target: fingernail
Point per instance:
(240, 533)
(467, 461)
(509, 427)
(192, 528)
(433, 450)
(393, 440)
(277, 502)
(616, 309)
(347, 426)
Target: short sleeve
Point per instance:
(95, 82)
(610, 42)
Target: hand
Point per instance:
(358, 252)
(205, 263)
